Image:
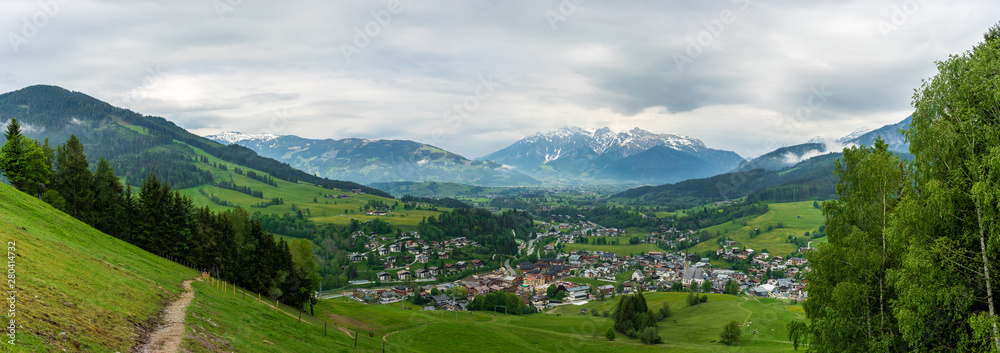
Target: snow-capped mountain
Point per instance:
(231, 137)
(376, 161)
(574, 154)
(892, 134)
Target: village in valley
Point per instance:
(551, 276)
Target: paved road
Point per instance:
(510, 271)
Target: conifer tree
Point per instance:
(74, 180)
(22, 160)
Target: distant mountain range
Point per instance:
(376, 161)
(892, 134)
(788, 156)
(576, 155)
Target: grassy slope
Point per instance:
(696, 328)
(80, 289)
(301, 195)
(219, 320)
(775, 240)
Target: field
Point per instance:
(79, 289)
(797, 217)
(304, 197)
(623, 249)
(564, 328)
(593, 283)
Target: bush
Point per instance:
(632, 334)
(665, 311)
(730, 333)
(610, 334)
(693, 299)
(650, 336)
(606, 313)
(704, 298)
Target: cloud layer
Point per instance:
(474, 76)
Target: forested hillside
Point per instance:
(135, 144)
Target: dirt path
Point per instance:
(167, 338)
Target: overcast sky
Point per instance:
(474, 76)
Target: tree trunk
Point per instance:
(986, 273)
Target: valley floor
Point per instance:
(226, 321)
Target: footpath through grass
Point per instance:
(78, 289)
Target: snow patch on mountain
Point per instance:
(231, 137)
(857, 133)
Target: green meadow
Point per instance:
(622, 249)
(797, 217)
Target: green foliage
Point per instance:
(610, 334)
(677, 287)
(73, 179)
(501, 302)
(665, 311)
(706, 286)
(631, 315)
(22, 161)
(732, 287)
(492, 231)
(798, 332)
(551, 291)
(110, 201)
(869, 187)
(650, 335)
(730, 333)
(617, 217)
(912, 253)
(692, 299)
(947, 220)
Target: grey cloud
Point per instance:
(604, 63)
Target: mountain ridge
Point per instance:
(376, 161)
(583, 155)
(136, 144)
